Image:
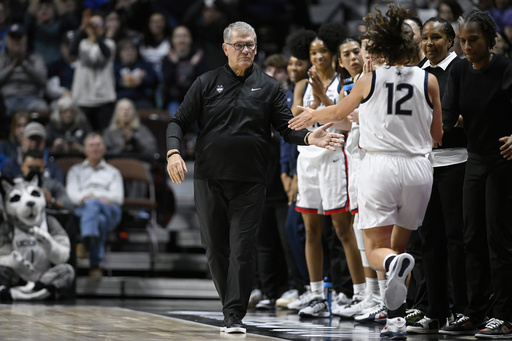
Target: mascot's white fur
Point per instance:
(34, 248)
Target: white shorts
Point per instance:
(393, 189)
(322, 183)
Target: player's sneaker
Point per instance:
(413, 315)
(318, 307)
(302, 301)
(462, 326)
(496, 329)
(377, 313)
(266, 304)
(358, 304)
(255, 298)
(427, 326)
(394, 329)
(287, 298)
(396, 291)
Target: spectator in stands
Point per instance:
(34, 138)
(61, 72)
(116, 28)
(54, 191)
(126, 134)
(501, 12)
(135, 78)
(68, 127)
(94, 82)
(97, 189)
(275, 66)
(45, 27)
(449, 10)
(155, 45)
(180, 68)
(22, 74)
(207, 20)
(10, 148)
(4, 23)
(502, 45)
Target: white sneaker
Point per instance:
(394, 329)
(287, 298)
(358, 304)
(341, 299)
(318, 307)
(255, 298)
(302, 301)
(396, 291)
(377, 313)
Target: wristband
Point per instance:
(306, 138)
(171, 154)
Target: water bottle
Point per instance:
(328, 292)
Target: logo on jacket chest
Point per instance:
(220, 88)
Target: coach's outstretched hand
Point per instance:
(321, 138)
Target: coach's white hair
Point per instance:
(238, 26)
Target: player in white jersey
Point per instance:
(400, 118)
(322, 177)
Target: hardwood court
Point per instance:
(171, 319)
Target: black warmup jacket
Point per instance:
(234, 115)
(483, 98)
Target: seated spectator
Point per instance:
(127, 135)
(54, 191)
(93, 83)
(97, 189)
(135, 78)
(9, 149)
(45, 28)
(34, 138)
(22, 74)
(180, 68)
(68, 126)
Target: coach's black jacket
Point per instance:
(234, 115)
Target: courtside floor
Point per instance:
(191, 317)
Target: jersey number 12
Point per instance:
(402, 87)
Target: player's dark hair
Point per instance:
(390, 37)
(298, 43)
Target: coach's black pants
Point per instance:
(487, 207)
(229, 213)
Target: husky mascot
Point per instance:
(34, 248)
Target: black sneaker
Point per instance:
(413, 315)
(233, 324)
(496, 329)
(462, 326)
